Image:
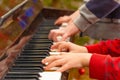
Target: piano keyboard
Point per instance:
(28, 65)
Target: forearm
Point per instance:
(75, 15)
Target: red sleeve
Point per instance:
(111, 47)
(104, 67)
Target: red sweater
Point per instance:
(107, 65)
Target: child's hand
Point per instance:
(67, 61)
(68, 47)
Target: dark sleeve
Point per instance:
(93, 11)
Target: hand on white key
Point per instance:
(59, 38)
(54, 53)
(50, 75)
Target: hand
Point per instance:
(63, 19)
(67, 61)
(68, 47)
(67, 19)
(70, 30)
(54, 33)
(66, 32)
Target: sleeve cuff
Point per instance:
(97, 66)
(81, 23)
(93, 48)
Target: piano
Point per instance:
(24, 28)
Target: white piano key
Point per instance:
(59, 38)
(64, 24)
(50, 75)
(46, 63)
(54, 50)
(54, 53)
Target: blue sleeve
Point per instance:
(95, 10)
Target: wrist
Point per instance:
(86, 59)
(84, 49)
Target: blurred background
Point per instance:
(64, 4)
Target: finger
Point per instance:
(51, 33)
(55, 37)
(63, 53)
(55, 46)
(55, 63)
(62, 19)
(49, 59)
(59, 21)
(63, 68)
(62, 48)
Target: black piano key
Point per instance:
(40, 52)
(26, 69)
(40, 36)
(47, 27)
(22, 76)
(36, 47)
(42, 32)
(48, 22)
(39, 44)
(19, 79)
(41, 40)
(35, 51)
(29, 68)
(31, 58)
(28, 63)
(46, 32)
(23, 73)
(35, 54)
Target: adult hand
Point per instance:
(63, 19)
(70, 30)
(67, 19)
(67, 61)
